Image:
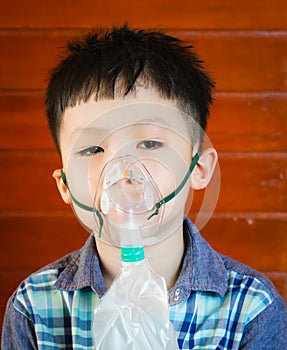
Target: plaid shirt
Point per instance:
(216, 303)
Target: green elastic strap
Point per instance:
(132, 254)
(81, 205)
(178, 189)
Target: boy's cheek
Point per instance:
(86, 219)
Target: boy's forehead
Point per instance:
(107, 124)
(101, 118)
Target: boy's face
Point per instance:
(142, 125)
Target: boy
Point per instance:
(125, 92)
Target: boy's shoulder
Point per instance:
(71, 272)
(60, 274)
(42, 281)
(249, 287)
(215, 272)
(242, 272)
(227, 299)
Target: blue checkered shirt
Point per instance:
(216, 303)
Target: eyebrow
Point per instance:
(156, 121)
(100, 131)
(78, 131)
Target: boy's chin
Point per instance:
(132, 238)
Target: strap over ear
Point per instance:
(64, 179)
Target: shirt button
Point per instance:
(176, 294)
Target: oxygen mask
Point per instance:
(126, 197)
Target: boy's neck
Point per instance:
(165, 258)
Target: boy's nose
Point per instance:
(133, 190)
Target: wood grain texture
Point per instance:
(238, 62)
(259, 243)
(208, 14)
(44, 240)
(249, 122)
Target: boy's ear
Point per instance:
(61, 186)
(204, 169)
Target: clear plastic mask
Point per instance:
(126, 198)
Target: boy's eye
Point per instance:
(149, 144)
(90, 151)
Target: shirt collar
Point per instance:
(202, 269)
(83, 270)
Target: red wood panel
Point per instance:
(253, 182)
(38, 240)
(259, 243)
(249, 182)
(23, 121)
(249, 122)
(31, 183)
(245, 62)
(280, 281)
(239, 62)
(232, 14)
(242, 122)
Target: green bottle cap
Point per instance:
(132, 254)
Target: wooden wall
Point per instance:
(244, 45)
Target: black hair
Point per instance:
(108, 63)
